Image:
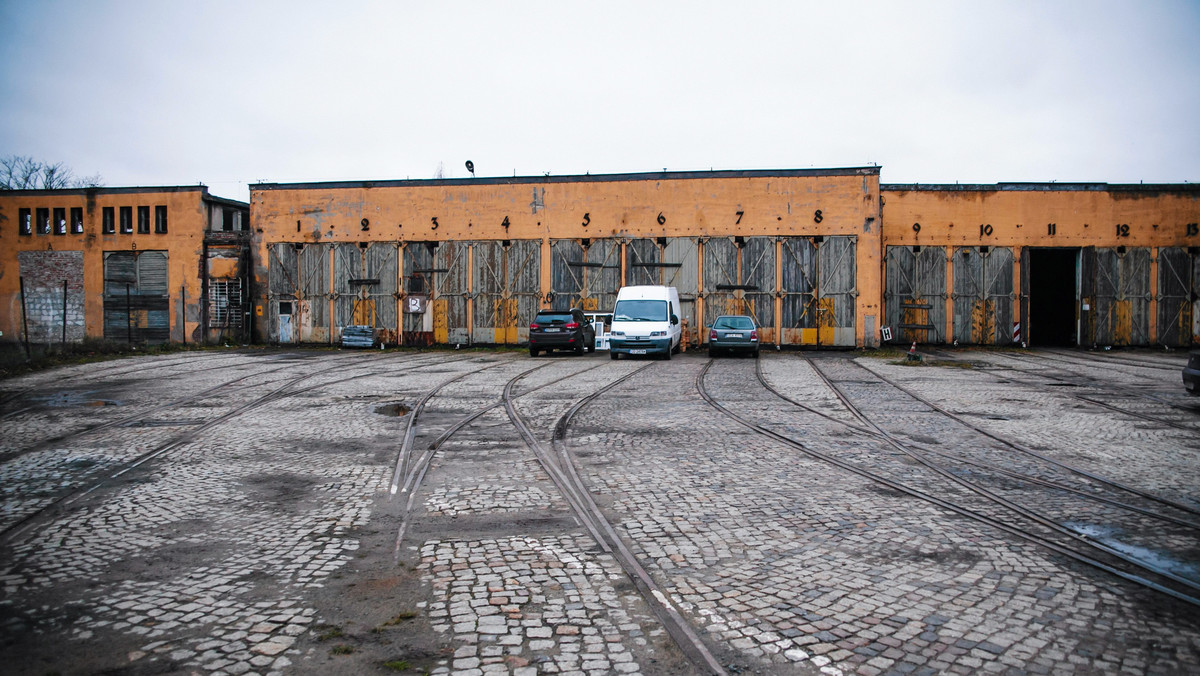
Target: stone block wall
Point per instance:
(44, 273)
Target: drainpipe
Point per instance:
(25, 320)
(204, 291)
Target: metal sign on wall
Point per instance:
(415, 305)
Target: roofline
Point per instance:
(576, 178)
(104, 190)
(1039, 187)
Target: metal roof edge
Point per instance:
(1039, 187)
(573, 178)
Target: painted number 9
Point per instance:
(916, 227)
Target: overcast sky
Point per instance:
(234, 93)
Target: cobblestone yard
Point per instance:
(483, 512)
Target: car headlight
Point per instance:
(654, 334)
(616, 334)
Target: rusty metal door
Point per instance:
(1176, 296)
(915, 293)
(507, 290)
(585, 274)
(283, 287)
(417, 321)
(136, 302)
(451, 288)
(983, 295)
(1122, 306)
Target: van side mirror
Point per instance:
(674, 319)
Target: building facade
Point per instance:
(820, 258)
(136, 265)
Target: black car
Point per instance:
(561, 330)
(1191, 373)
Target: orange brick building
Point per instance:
(137, 265)
(820, 257)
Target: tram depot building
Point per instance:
(819, 257)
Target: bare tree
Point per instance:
(18, 172)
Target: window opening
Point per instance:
(225, 303)
(126, 220)
(107, 216)
(25, 221)
(160, 219)
(76, 220)
(143, 220)
(43, 221)
(60, 221)
(227, 220)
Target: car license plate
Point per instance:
(637, 352)
(551, 330)
(733, 335)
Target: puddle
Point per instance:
(1148, 557)
(393, 410)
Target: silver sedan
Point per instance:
(733, 333)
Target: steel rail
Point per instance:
(989, 494)
(22, 525)
(945, 504)
(872, 434)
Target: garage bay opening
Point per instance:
(1052, 295)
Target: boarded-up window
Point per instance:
(76, 220)
(160, 219)
(143, 220)
(60, 221)
(109, 221)
(126, 220)
(25, 221)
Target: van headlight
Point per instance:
(616, 334)
(655, 334)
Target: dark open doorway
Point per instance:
(1052, 293)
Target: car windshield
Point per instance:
(555, 318)
(640, 311)
(733, 323)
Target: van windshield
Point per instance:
(640, 311)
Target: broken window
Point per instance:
(143, 220)
(25, 221)
(43, 221)
(76, 220)
(227, 220)
(60, 221)
(126, 220)
(109, 228)
(160, 219)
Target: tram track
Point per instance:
(23, 524)
(968, 499)
(562, 472)
(1189, 421)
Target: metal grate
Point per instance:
(225, 303)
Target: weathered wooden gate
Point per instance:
(585, 273)
(417, 326)
(136, 302)
(283, 291)
(364, 286)
(451, 289)
(507, 289)
(983, 295)
(1178, 277)
(739, 278)
(819, 291)
(915, 293)
(1121, 315)
(668, 261)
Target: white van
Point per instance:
(645, 321)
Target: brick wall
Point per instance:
(44, 273)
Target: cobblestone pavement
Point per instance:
(232, 512)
